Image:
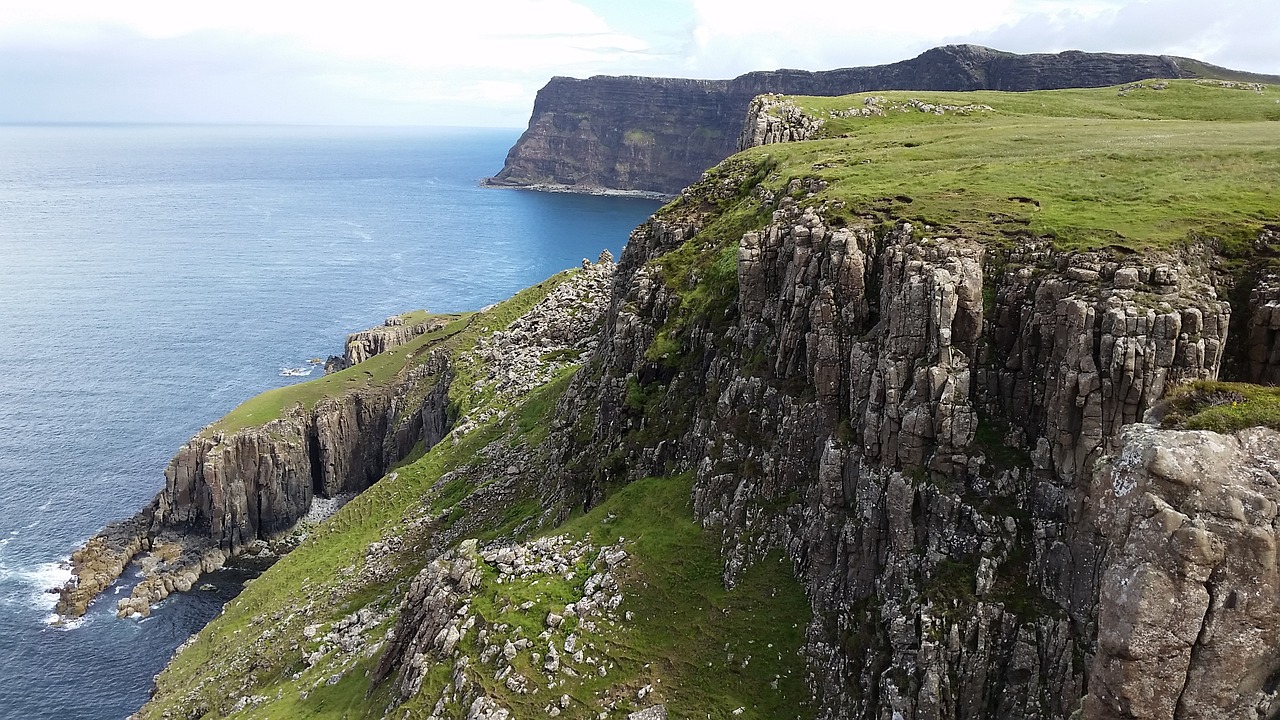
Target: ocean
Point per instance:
(153, 277)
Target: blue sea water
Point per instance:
(152, 278)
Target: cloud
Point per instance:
(397, 62)
(734, 36)
(380, 61)
(495, 33)
(1242, 34)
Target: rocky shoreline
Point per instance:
(580, 190)
(254, 492)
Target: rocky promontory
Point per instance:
(394, 332)
(657, 135)
(231, 488)
(860, 433)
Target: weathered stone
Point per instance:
(1189, 605)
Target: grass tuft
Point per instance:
(1222, 407)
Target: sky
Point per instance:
(397, 62)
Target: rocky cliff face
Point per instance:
(657, 135)
(1188, 601)
(915, 420)
(225, 491)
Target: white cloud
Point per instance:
(379, 61)
(394, 61)
(822, 34)
(1242, 34)
(735, 36)
(494, 33)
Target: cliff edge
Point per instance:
(657, 135)
(857, 433)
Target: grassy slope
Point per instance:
(689, 636)
(686, 625)
(1221, 407)
(1205, 70)
(1090, 168)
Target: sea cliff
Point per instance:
(657, 135)
(925, 415)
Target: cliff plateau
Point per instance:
(854, 429)
(657, 135)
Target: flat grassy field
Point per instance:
(1146, 168)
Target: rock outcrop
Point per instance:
(657, 135)
(915, 420)
(1189, 602)
(393, 332)
(227, 490)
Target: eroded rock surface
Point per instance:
(1189, 603)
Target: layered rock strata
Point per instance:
(914, 419)
(657, 135)
(1190, 596)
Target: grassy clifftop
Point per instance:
(1145, 166)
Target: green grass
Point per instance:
(685, 623)
(459, 334)
(532, 419)
(1089, 168)
(376, 371)
(685, 618)
(1221, 407)
(1204, 69)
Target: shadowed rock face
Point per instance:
(659, 134)
(917, 421)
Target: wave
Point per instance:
(58, 622)
(296, 371)
(33, 586)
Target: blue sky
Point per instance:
(390, 62)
